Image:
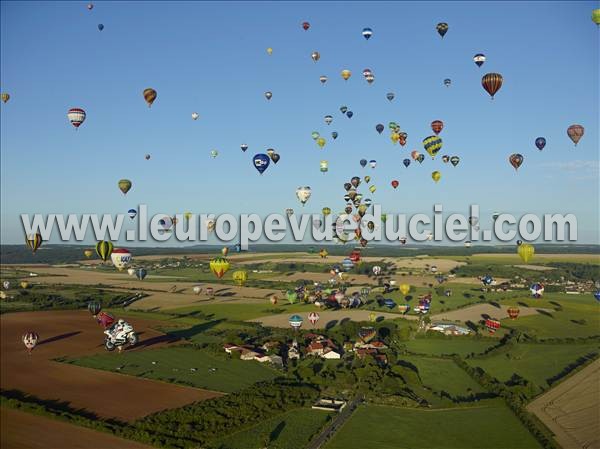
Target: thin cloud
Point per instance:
(580, 166)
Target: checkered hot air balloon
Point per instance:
(76, 116)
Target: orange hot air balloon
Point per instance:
(150, 95)
(414, 154)
(437, 126)
(219, 266)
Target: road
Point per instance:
(335, 424)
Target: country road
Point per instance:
(335, 424)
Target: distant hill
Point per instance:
(58, 254)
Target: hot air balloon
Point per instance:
(76, 116)
(321, 142)
(432, 145)
(141, 273)
(404, 289)
(328, 119)
(492, 82)
(376, 270)
(597, 295)
(323, 254)
(88, 253)
(334, 134)
(214, 153)
(395, 184)
(346, 74)
(305, 26)
(420, 158)
(210, 292)
(197, 289)
(537, 290)
(120, 257)
(5, 97)
(268, 95)
(90, 6)
(303, 194)
(540, 143)
(367, 33)
(366, 334)
(269, 51)
(33, 241)
(402, 138)
(224, 251)
(406, 162)
(132, 213)
(261, 162)
(149, 96)
(390, 96)
(379, 128)
(403, 308)
(447, 82)
(124, 186)
(104, 249)
(349, 114)
(147, 157)
(100, 26)
(516, 160)
(437, 126)
(273, 299)
(323, 79)
(492, 325)
(445, 158)
(313, 317)
(291, 296)
(479, 59)
(275, 158)
(436, 176)
(94, 307)
(575, 133)
(324, 166)
(30, 339)
(315, 55)
(513, 312)
(219, 266)
(240, 277)
(454, 160)
(372, 163)
(442, 28)
(295, 321)
(596, 16)
(195, 116)
(526, 252)
(130, 271)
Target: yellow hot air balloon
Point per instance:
(372, 189)
(104, 249)
(326, 211)
(219, 266)
(323, 253)
(526, 252)
(240, 277)
(269, 51)
(33, 241)
(436, 176)
(187, 215)
(5, 97)
(395, 137)
(24, 284)
(346, 74)
(224, 251)
(404, 289)
(596, 16)
(149, 96)
(321, 142)
(372, 317)
(88, 253)
(125, 186)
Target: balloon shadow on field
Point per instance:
(59, 337)
(331, 324)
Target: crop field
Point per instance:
(460, 346)
(464, 428)
(184, 365)
(292, 430)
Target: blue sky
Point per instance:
(211, 58)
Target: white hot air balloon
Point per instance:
(131, 271)
(197, 289)
(121, 258)
(195, 116)
(303, 194)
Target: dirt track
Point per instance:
(476, 313)
(571, 410)
(74, 333)
(22, 430)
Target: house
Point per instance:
(324, 348)
(377, 345)
(330, 405)
(330, 354)
(270, 345)
(249, 355)
(449, 329)
(293, 351)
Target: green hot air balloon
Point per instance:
(104, 249)
(124, 186)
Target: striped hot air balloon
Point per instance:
(76, 116)
(240, 277)
(219, 266)
(104, 249)
(513, 312)
(313, 317)
(492, 325)
(432, 144)
(30, 339)
(492, 82)
(33, 241)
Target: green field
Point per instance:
(236, 311)
(292, 430)
(176, 364)
(534, 362)
(485, 427)
(443, 375)
(458, 345)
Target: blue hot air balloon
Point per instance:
(597, 295)
(334, 134)
(141, 273)
(349, 114)
(132, 213)
(406, 162)
(100, 26)
(367, 33)
(379, 128)
(363, 163)
(261, 162)
(540, 143)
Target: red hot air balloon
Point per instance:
(515, 160)
(492, 325)
(313, 317)
(76, 116)
(437, 126)
(492, 82)
(305, 26)
(395, 184)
